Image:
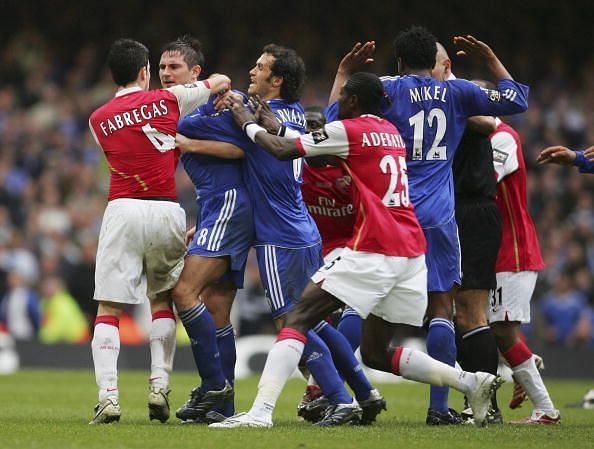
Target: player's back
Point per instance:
(520, 250)
(386, 221)
(136, 130)
(431, 116)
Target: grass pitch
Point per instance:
(51, 409)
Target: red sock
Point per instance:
(517, 354)
(287, 333)
(110, 320)
(395, 360)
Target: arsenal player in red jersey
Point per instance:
(518, 263)
(381, 272)
(141, 242)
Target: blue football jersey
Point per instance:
(280, 215)
(210, 175)
(431, 116)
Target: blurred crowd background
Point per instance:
(53, 179)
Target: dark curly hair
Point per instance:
(189, 47)
(288, 65)
(416, 47)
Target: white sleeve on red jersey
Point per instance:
(505, 154)
(190, 96)
(332, 139)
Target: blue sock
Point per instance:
(201, 330)
(226, 344)
(319, 362)
(351, 326)
(344, 359)
(441, 345)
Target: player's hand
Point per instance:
(219, 83)
(219, 102)
(190, 235)
(264, 115)
(356, 59)
(589, 153)
(240, 111)
(557, 155)
(470, 46)
(182, 142)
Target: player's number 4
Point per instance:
(437, 152)
(161, 141)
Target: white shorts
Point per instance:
(511, 300)
(391, 288)
(141, 250)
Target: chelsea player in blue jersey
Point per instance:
(287, 241)
(431, 116)
(219, 248)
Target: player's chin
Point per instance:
(167, 84)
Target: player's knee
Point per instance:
(183, 296)
(373, 358)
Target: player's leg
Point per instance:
(198, 272)
(162, 345)
(218, 299)
(285, 273)
(122, 237)
(314, 305)
(509, 308)
(351, 326)
(106, 349)
(477, 350)
(443, 265)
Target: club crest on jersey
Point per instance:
(319, 135)
(500, 156)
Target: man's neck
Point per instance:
(129, 85)
(417, 72)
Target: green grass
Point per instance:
(50, 409)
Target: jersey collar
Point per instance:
(127, 91)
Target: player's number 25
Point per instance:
(395, 197)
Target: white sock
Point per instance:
(282, 360)
(162, 341)
(416, 365)
(106, 348)
(528, 376)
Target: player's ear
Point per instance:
(277, 81)
(196, 71)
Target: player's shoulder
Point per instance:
(289, 114)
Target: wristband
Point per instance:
(245, 125)
(281, 131)
(252, 129)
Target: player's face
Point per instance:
(174, 70)
(314, 121)
(261, 80)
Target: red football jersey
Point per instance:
(327, 195)
(136, 130)
(519, 250)
(373, 154)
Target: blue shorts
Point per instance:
(225, 227)
(285, 273)
(443, 257)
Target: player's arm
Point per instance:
(330, 140)
(482, 124)
(510, 97)
(354, 61)
(214, 148)
(583, 160)
(505, 154)
(190, 96)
